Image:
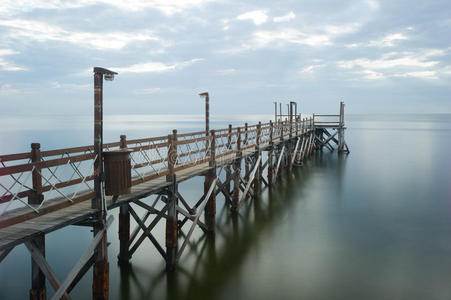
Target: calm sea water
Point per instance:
(374, 224)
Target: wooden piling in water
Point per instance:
(171, 220)
(210, 208)
(38, 289)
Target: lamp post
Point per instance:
(100, 284)
(207, 111)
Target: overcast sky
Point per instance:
(378, 56)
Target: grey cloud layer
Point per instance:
(264, 49)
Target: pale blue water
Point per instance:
(375, 224)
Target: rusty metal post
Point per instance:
(100, 285)
(270, 154)
(171, 220)
(210, 208)
(236, 173)
(124, 223)
(38, 289)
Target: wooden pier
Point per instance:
(43, 191)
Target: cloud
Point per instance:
(147, 91)
(6, 89)
(40, 31)
(155, 67)
(398, 64)
(259, 17)
(312, 68)
(7, 65)
(285, 18)
(418, 74)
(58, 85)
(11, 7)
(226, 71)
(394, 59)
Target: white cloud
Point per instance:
(226, 71)
(147, 91)
(389, 40)
(394, 59)
(155, 67)
(373, 4)
(398, 64)
(7, 65)
(59, 85)
(418, 74)
(370, 74)
(312, 68)
(257, 16)
(168, 7)
(6, 89)
(285, 18)
(40, 31)
(314, 37)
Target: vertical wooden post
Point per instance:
(341, 139)
(210, 208)
(236, 173)
(171, 220)
(124, 222)
(270, 154)
(38, 290)
(100, 285)
(246, 164)
(257, 177)
(228, 168)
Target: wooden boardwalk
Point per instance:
(44, 191)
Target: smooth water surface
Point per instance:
(374, 224)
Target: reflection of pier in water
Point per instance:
(217, 259)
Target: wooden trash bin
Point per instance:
(118, 172)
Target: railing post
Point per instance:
(171, 220)
(210, 208)
(38, 290)
(124, 222)
(236, 173)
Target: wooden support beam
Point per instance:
(124, 233)
(210, 207)
(249, 182)
(86, 256)
(40, 260)
(5, 253)
(149, 235)
(196, 218)
(276, 173)
(146, 232)
(294, 152)
(171, 226)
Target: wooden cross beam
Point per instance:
(148, 229)
(278, 162)
(147, 232)
(5, 253)
(196, 218)
(251, 178)
(40, 260)
(84, 259)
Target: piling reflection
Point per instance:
(210, 262)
